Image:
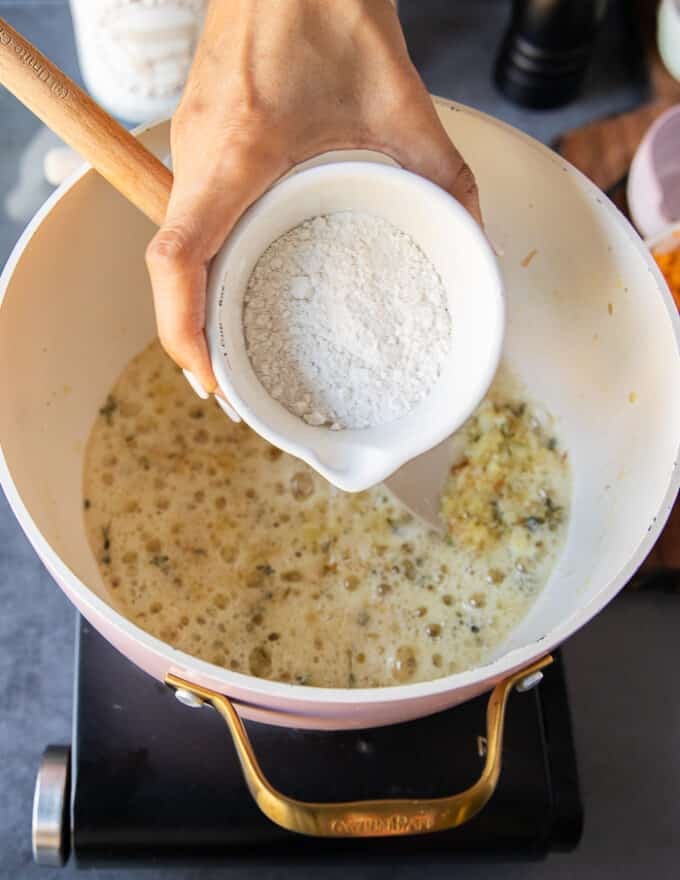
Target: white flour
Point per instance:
(346, 321)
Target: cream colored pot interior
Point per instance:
(590, 332)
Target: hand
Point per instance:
(272, 85)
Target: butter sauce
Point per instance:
(221, 545)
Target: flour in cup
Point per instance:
(346, 321)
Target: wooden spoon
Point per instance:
(65, 108)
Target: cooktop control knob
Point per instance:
(51, 832)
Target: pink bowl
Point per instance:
(654, 179)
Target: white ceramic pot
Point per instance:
(591, 330)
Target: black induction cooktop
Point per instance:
(154, 782)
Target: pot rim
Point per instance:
(228, 681)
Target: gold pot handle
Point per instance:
(383, 818)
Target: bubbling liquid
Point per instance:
(224, 547)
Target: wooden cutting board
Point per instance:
(604, 150)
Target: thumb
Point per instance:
(178, 258)
(178, 270)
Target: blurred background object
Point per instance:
(603, 148)
(135, 54)
(666, 249)
(546, 51)
(668, 31)
(653, 190)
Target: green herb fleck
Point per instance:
(161, 562)
(554, 515)
(106, 545)
(109, 409)
(396, 524)
(496, 512)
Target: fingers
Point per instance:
(198, 222)
(457, 178)
(440, 162)
(178, 269)
(423, 146)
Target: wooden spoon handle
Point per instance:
(65, 108)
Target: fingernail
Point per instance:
(195, 384)
(233, 415)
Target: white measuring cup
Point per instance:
(354, 460)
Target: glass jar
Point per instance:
(135, 54)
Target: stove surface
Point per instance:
(154, 781)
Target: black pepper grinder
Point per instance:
(545, 53)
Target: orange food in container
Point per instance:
(668, 260)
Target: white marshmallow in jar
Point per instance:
(135, 55)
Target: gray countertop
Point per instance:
(621, 668)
